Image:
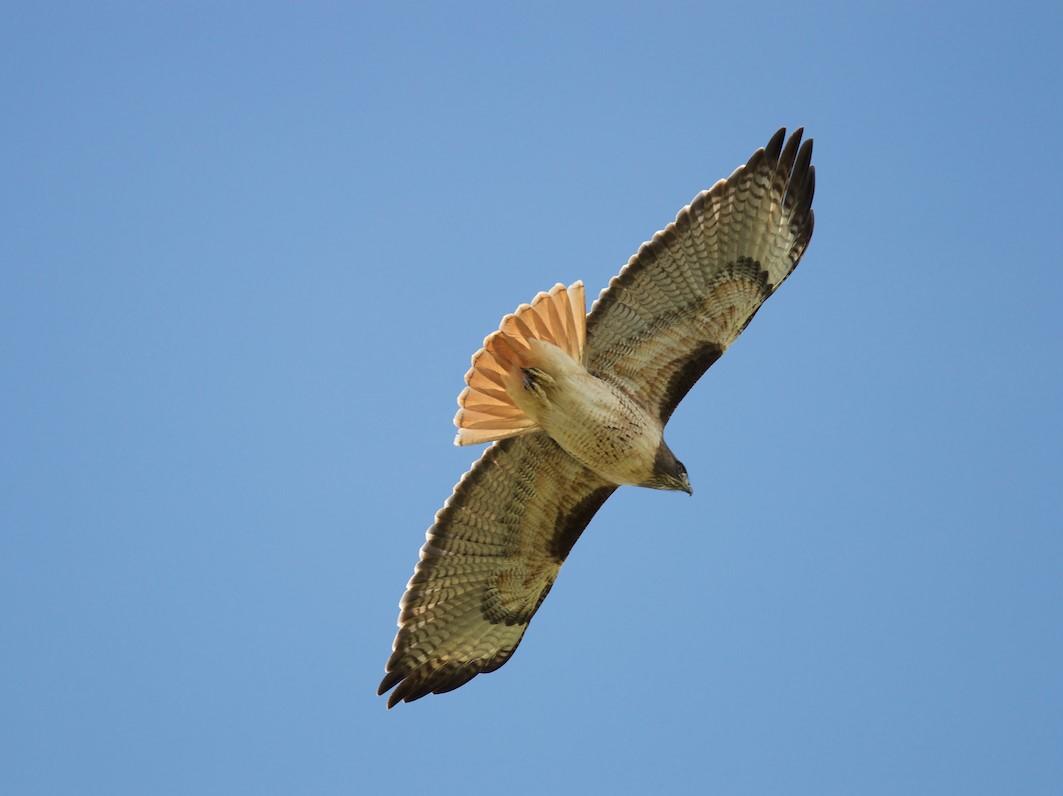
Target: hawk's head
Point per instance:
(668, 472)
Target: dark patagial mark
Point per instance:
(570, 524)
(567, 529)
(691, 369)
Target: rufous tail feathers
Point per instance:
(487, 411)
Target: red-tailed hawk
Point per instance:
(576, 406)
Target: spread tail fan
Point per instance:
(487, 411)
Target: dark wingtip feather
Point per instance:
(774, 146)
(804, 158)
(423, 682)
(402, 692)
(796, 198)
(389, 681)
(789, 152)
(810, 188)
(431, 678)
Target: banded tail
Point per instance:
(487, 411)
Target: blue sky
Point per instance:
(247, 251)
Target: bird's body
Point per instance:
(576, 405)
(593, 420)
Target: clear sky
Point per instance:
(247, 250)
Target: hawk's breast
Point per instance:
(595, 422)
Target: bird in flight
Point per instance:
(576, 405)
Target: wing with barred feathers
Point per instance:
(489, 561)
(690, 291)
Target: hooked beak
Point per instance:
(686, 487)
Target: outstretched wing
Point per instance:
(689, 292)
(488, 563)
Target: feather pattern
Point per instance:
(691, 290)
(488, 562)
(498, 543)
